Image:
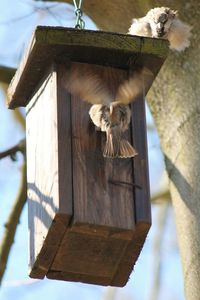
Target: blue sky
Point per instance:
(17, 21)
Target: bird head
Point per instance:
(160, 19)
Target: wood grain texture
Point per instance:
(103, 218)
(96, 47)
(89, 255)
(45, 163)
(64, 128)
(97, 199)
(88, 215)
(101, 245)
(141, 170)
(128, 260)
(41, 260)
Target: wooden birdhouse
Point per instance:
(88, 215)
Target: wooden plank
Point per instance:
(67, 276)
(132, 252)
(98, 196)
(96, 47)
(41, 263)
(96, 259)
(101, 243)
(88, 255)
(45, 171)
(103, 219)
(141, 170)
(141, 192)
(63, 103)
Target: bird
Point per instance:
(109, 115)
(114, 120)
(163, 22)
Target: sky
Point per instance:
(17, 22)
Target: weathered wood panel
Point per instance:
(82, 217)
(95, 47)
(46, 159)
(64, 131)
(141, 195)
(98, 198)
(88, 215)
(103, 202)
(141, 169)
(128, 260)
(91, 257)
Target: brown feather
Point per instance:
(111, 116)
(87, 86)
(134, 87)
(126, 150)
(116, 146)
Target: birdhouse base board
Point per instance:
(90, 254)
(47, 252)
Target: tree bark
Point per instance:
(6, 74)
(12, 222)
(174, 102)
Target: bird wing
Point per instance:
(135, 86)
(87, 86)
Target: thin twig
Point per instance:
(11, 224)
(20, 118)
(6, 74)
(20, 147)
(16, 19)
(161, 195)
(54, 16)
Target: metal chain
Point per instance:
(80, 24)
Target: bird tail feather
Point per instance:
(126, 150)
(112, 146)
(118, 147)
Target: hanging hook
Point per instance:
(80, 24)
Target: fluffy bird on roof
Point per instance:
(109, 115)
(163, 22)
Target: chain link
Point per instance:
(80, 24)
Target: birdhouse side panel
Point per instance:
(43, 176)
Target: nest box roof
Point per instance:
(62, 44)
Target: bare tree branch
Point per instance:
(161, 195)
(6, 74)
(19, 118)
(65, 1)
(11, 224)
(20, 147)
(157, 250)
(110, 293)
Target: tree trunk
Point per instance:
(174, 102)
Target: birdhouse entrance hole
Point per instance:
(88, 215)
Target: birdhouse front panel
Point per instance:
(87, 166)
(95, 193)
